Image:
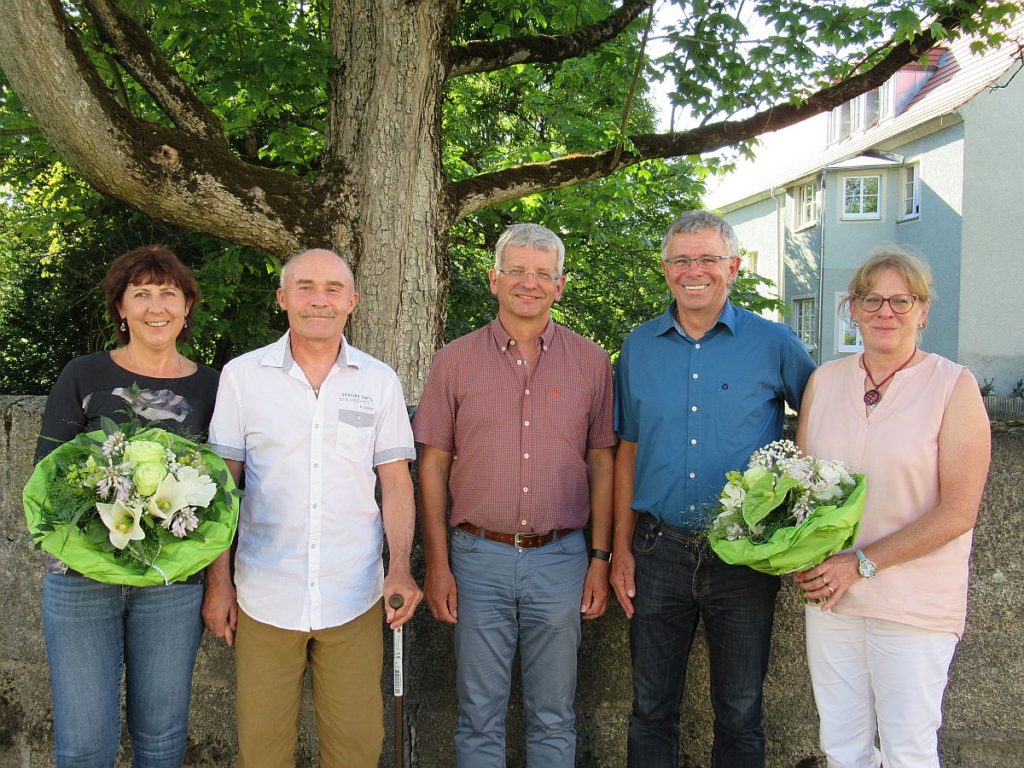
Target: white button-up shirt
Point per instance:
(309, 531)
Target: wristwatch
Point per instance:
(865, 567)
(601, 554)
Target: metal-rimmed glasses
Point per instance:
(522, 274)
(900, 303)
(682, 263)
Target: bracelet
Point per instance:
(600, 554)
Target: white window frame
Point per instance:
(847, 337)
(807, 210)
(860, 215)
(910, 186)
(887, 99)
(751, 255)
(808, 333)
(839, 123)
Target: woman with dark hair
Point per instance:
(884, 617)
(94, 630)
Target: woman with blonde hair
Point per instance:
(884, 618)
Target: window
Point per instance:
(847, 337)
(807, 211)
(839, 123)
(864, 111)
(751, 261)
(806, 317)
(861, 198)
(887, 99)
(911, 192)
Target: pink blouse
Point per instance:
(897, 447)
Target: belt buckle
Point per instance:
(516, 538)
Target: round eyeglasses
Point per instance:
(900, 303)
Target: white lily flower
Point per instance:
(122, 521)
(170, 496)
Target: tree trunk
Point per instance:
(384, 154)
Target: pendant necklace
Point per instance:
(872, 396)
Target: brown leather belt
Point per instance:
(523, 540)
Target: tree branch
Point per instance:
(478, 192)
(176, 175)
(489, 55)
(140, 57)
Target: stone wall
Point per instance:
(982, 726)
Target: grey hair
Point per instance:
(530, 236)
(296, 257)
(693, 222)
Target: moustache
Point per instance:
(322, 315)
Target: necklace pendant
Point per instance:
(871, 397)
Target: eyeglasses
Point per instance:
(900, 303)
(704, 262)
(522, 274)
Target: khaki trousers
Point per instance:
(346, 664)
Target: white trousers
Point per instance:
(873, 675)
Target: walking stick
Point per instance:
(396, 601)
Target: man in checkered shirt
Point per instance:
(516, 423)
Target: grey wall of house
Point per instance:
(760, 233)
(992, 273)
(981, 723)
(936, 234)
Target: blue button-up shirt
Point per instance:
(699, 408)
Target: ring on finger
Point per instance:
(830, 590)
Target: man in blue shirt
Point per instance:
(697, 390)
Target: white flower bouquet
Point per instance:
(787, 512)
(127, 505)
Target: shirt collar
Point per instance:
(667, 322)
(279, 354)
(502, 338)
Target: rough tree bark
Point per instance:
(381, 197)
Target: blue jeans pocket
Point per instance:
(645, 538)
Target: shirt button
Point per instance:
(526, 490)
(693, 507)
(696, 376)
(545, 347)
(526, 423)
(312, 583)
(693, 408)
(693, 475)
(527, 391)
(696, 346)
(316, 466)
(511, 342)
(522, 523)
(312, 546)
(526, 455)
(519, 362)
(693, 441)
(314, 505)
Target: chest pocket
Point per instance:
(355, 435)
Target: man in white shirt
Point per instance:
(306, 420)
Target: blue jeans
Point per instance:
(507, 596)
(93, 630)
(680, 581)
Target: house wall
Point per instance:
(756, 229)
(992, 276)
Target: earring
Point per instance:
(186, 322)
(124, 326)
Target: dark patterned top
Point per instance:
(94, 385)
